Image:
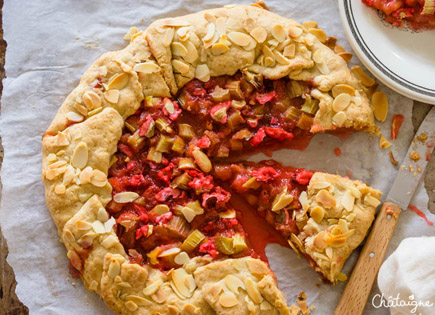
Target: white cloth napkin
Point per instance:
(407, 278)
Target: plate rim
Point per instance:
(369, 59)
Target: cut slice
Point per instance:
(324, 217)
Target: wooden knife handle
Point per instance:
(360, 284)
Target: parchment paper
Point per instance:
(50, 44)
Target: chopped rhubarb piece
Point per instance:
(142, 231)
(219, 112)
(204, 142)
(264, 98)
(279, 133)
(125, 149)
(217, 199)
(202, 183)
(165, 174)
(304, 177)
(209, 248)
(167, 193)
(258, 137)
(143, 130)
(265, 174)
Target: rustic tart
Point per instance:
(140, 163)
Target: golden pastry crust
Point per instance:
(83, 136)
(340, 213)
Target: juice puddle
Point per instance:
(260, 233)
(420, 214)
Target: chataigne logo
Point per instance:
(379, 300)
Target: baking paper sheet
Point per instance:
(50, 44)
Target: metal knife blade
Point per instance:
(411, 171)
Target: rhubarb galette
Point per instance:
(140, 163)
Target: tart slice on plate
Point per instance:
(139, 173)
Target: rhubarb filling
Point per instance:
(171, 188)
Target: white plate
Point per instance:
(402, 59)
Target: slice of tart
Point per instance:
(324, 217)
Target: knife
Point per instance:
(361, 281)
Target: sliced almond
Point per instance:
(221, 25)
(233, 283)
(188, 213)
(320, 34)
(192, 52)
(168, 37)
(269, 61)
(147, 67)
(170, 252)
(318, 56)
(81, 109)
(252, 290)
(133, 30)
(118, 81)
(384, 143)
(339, 49)
(289, 51)
(109, 241)
(112, 96)
(114, 269)
(98, 227)
(317, 214)
(219, 49)
(380, 104)
(182, 258)
(202, 73)
(91, 100)
(74, 117)
(180, 66)
(183, 33)
(259, 34)
(125, 197)
(83, 225)
(68, 236)
(152, 288)
(339, 119)
(343, 88)
(278, 32)
(95, 111)
(326, 199)
(252, 44)
(294, 31)
(228, 299)
(178, 49)
(98, 178)
(310, 24)
(348, 200)
(80, 156)
(179, 277)
(160, 209)
(347, 56)
(303, 199)
(323, 68)
(362, 76)
(341, 102)
(257, 267)
(102, 215)
(281, 201)
(280, 58)
(210, 31)
(59, 189)
(75, 259)
(371, 201)
(239, 38)
(85, 175)
(202, 160)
